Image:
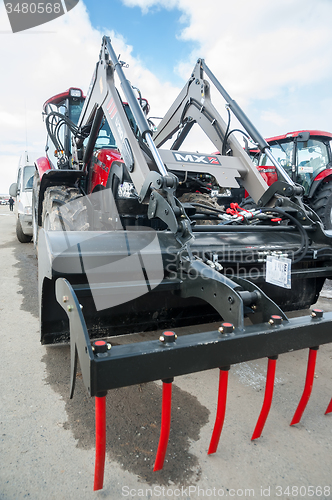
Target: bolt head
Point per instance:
(317, 313)
(65, 298)
(275, 319)
(100, 346)
(226, 328)
(169, 337)
(70, 308)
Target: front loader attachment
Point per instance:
(139, 280)
(99, 284)
(151, 248)
(106, 367)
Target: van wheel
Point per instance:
(64, 210)
(23, 238)
(322, 204)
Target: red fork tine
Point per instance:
(270, 377)
(100, 409)
(165, 424)
(329, 408)
(221, 409)
(307, 387)
(100, 346)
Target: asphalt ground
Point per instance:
(47, 440)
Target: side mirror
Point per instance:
(13, 190)
(303, 137)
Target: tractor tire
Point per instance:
(22, 237)
(64, 210)
(322, 204)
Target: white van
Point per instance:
(22, 191)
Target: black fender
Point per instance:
(56, 178)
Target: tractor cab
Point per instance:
(306, 157)
(69, 104)
(303, 154)
(62, 113)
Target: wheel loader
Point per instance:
(131, 238)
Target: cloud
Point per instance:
(146, 5)
(39, 64)
(270, 56)
(8, 165)
(275, 118)
(257, 47)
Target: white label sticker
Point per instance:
(278, 271)
(306, 170)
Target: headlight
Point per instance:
(75, 93)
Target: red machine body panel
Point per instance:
(100, 168)
(43, 165)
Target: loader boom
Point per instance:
(103, 100)
(193, 105)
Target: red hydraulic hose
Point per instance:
(307, 387)
(165, 424)
(100, 405)
(221, 410)
(329, 408)
(270, 376)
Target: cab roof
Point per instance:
(58, 98)
(313, 133)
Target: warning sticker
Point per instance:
(278, 271)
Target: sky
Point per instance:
(272, 56)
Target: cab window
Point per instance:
(311, 156)
(105, 137)
(283, 152)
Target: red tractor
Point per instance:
(307, 158)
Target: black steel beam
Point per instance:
(147, 361)
(141, 362)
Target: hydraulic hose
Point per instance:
(302, 250)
